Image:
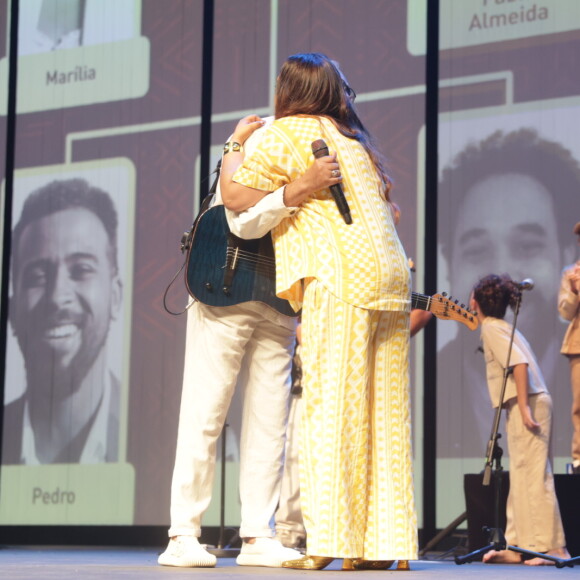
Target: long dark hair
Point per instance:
(495, 293)
(311, 84)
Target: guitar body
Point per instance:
(224, 270)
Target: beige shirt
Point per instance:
(363, 263)
(495, 335)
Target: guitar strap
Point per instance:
(205, 204)
(187, 237)
(217, 170)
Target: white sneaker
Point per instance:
(186, 552)
(291, 539)
(266, 552)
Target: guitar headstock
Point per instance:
(446, 308)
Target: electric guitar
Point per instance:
(445, 308)
(224, 270)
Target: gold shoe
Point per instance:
(348, 563)
(360, 564)
(403, 565)
(308, 563)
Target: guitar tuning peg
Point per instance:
(443, 293)
(463, 306)
(456, 301)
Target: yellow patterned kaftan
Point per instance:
(354, 286)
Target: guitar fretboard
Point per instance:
(420, 301)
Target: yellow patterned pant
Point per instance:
(355, 455)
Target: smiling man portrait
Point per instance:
(66, 291)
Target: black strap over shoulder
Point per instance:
(187, 236)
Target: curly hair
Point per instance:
(522, 152)
(495, 293)
(63, 194)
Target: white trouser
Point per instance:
(218, 340)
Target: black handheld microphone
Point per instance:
(527, 284)
(320, 149)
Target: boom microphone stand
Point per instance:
(497, 539)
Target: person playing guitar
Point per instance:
(221, 340)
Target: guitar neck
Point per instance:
(420, 301)
(444, 308)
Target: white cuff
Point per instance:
(258, 220)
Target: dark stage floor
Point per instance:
(66, 563)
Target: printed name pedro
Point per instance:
(520, 14)
(55, 497)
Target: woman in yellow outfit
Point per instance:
(352, 282)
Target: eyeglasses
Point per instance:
(350, 93)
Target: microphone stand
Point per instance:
(493, 467)
(222, 551)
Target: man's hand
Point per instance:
(323, 173)
(246, 127)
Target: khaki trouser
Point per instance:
(533, 514)
(575, 382)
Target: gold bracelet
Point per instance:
(233, 146)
